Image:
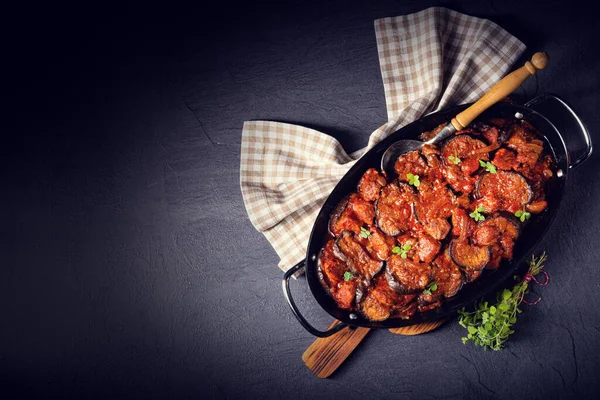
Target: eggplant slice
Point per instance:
(448, 278)
(493, 229)
(469, 256)
(406, 311)
(351, 214)
(336, 215)
(372, 309)
(437, 228)
(370, 184)
(349, 249)
(345, 293)
(458, 171)
(410, 163)
(405, 276)
(500, 234)
(402, 306)
(378, 244)
(330, 270)
(394, 209)
(447, 275)
(503, 191)
(388, 297)
(434, 201)
(464, 147)
(527, 145)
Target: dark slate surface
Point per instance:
(128, 264)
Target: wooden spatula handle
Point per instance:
(325, 355)
(506, 86)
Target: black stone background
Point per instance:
(128, 264)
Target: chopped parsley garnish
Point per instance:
(489, 167)
(432, 287)
(401, 250)
(413, 180)
(364, 233)
(522, 215)
(476, 214)
(455, 160)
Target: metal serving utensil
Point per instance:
(506, 86)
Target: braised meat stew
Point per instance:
(403, 244)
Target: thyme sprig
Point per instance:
(490, 325)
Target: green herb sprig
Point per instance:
(489, 167)
(490, 326)
(455, 160)
(432, 287)
(348, 275)
(413, 180)
(476, 215)
(364, 233)
(522, 215)
(401, 250)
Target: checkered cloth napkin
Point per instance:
(429, 60)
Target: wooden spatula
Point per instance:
(325, 355)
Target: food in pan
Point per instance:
(403, 245)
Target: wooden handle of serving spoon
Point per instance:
(325, 355)
(506, 86)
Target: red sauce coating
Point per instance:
(351, 214)
(331, 274)
(378, 244)
(348, 248)
(503, 191)
(435, 200)
(370, 184)
(400, 247)
(395, 208)
(406, 276)
(469, 151)
(410, 163)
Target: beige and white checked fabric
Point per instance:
(429, 60)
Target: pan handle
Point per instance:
(288, 296)
(538, 105)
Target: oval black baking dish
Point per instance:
(532, 232)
